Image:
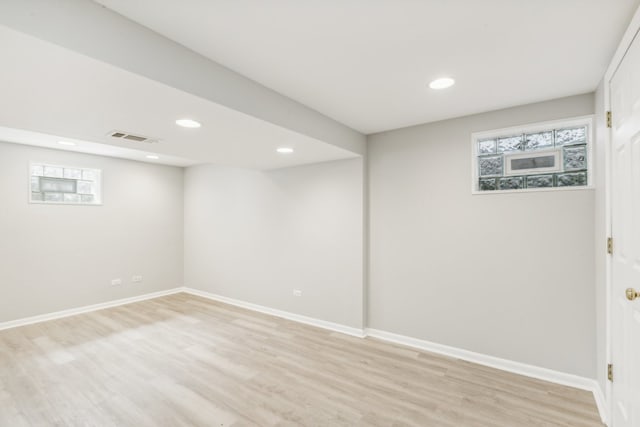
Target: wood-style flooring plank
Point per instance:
(183, 360)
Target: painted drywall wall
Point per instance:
(58, 257)
(601, 233)
(508, 275)
(93, 30)
(256, 236)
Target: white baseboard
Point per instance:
(601, 403)
(532, 371)
(279, 313)
(85, 309)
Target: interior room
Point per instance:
(324, 213)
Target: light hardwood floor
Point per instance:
(182, 360)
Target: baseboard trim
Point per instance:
(336, 327)
(531, 371)
(601, 403)
(85, 309)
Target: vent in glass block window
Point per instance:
(54, 185)
(533, 163)
(530, 163)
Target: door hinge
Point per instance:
(610, 245)
(610, 372)
(608, 119)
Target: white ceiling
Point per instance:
(50, 93)
(367, 63)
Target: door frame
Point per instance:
(633, 31)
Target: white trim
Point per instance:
(537, 372)
(85, 309)
(349, 330)
(607, 403)
(517, 155)
(623, 46)
(601, 403)
(486, 360)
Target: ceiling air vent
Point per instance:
(131, 137)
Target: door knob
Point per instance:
(632, 294)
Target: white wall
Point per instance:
(256, 236)
(57, 257)
(508, 275)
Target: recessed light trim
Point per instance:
(153, 157)
(285, 150)
(442, 83)
(188, 123)
(69, 143)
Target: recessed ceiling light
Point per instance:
(152, 157)
(66, 143)
(187, 123)
(285, 150)
(442, 83)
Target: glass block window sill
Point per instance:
(474, 191)
(42, 202)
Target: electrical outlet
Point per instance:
(136, 279)
(116, 282)
(297, 293)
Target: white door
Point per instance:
(625, 192)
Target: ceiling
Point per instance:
(367, 63)
(50, 94)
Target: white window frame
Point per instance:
(98, 194)
(533, 128)
(514, 155)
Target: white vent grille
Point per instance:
(131, 137)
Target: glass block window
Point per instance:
(63, 184)
(542, 156)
